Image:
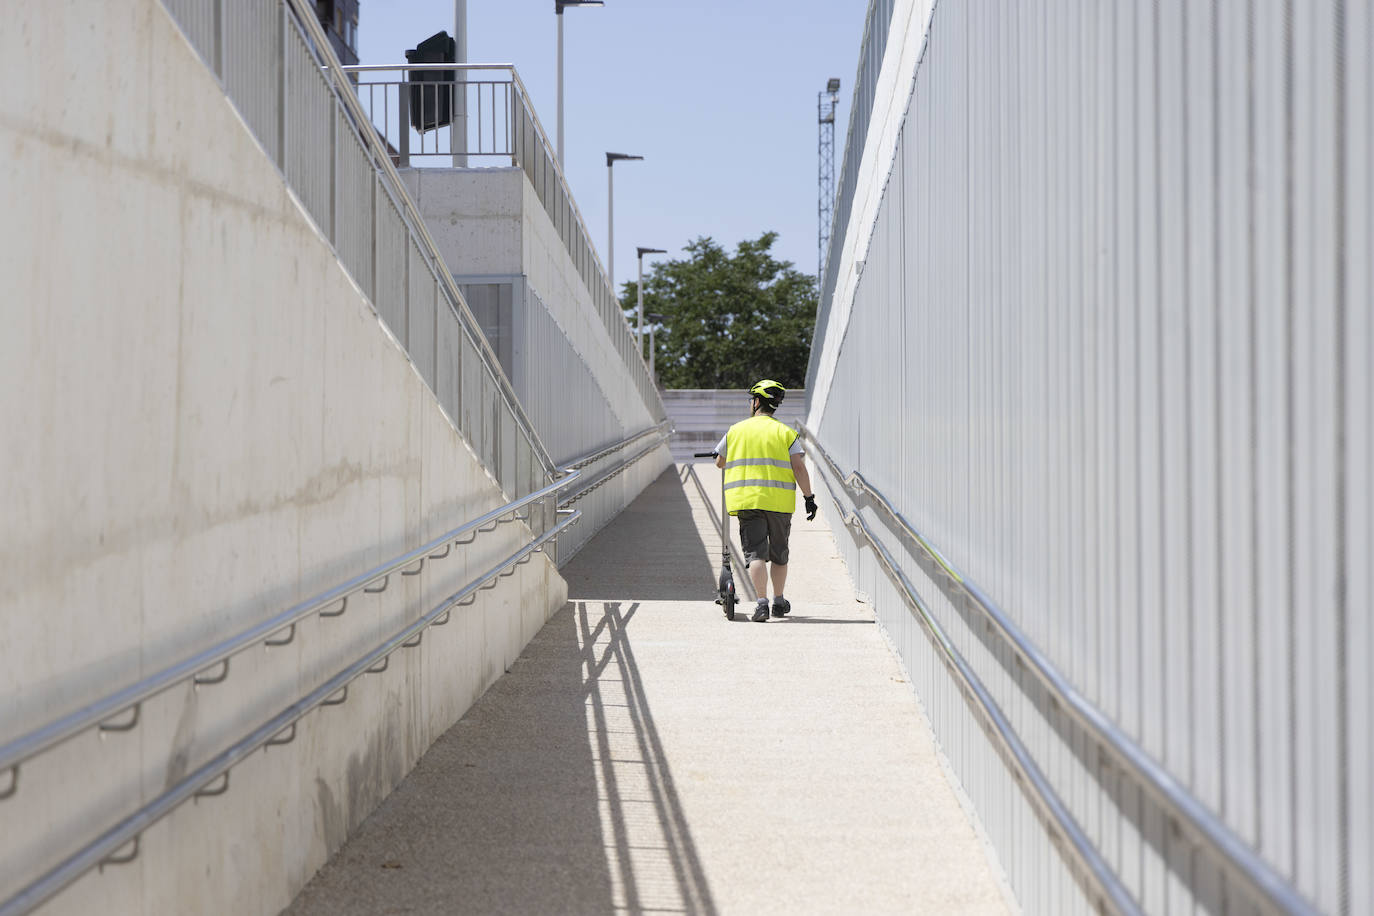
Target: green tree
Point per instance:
(728, 320)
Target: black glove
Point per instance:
(810, 506)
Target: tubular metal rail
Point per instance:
(120, 710)
(211, 666)
(1188, 816)
(660, 433)
(593, 457)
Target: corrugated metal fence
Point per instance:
(1118, 299)
(700, 416)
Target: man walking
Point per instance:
(763, 463)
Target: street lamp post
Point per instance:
(639, 311)
(558, 11)
(654, 321)
(611, 160)
(458, 131)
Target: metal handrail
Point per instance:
(396, 68)
(620, 468)
(102, 850)
(593, 457)
(1188, 814)
(343, 90)
(47, 736)
(29, 745)
(1042, 794)
(132, 697)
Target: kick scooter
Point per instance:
(725, 589)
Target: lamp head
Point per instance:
(644, 251)
(613, 158)
(833, 86)
(559, 4)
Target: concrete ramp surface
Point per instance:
(645, 755)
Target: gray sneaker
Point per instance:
(781, 607)
(760, 614)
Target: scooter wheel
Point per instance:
(728, 602)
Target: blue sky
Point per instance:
(719, 96)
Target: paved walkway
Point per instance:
(644, 755)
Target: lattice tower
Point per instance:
(826, 101)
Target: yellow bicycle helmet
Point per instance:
(769, 391)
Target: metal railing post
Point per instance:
(219, 40)
(376, 266)
(434, 331)
(334, 174)
(405, 294)
(403, 113)
(511, 130)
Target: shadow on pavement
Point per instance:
(652, 551)
(552, 795)
(652, 859)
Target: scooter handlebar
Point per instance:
(706, 454)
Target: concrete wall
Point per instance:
(204, 421)
(570, 378)
(475, 216)
(489, 222)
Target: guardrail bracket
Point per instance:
(218, 787)
(123, 726)
(201, 680)
(290, 635)
(114, 859)
(343, 606)
(277, 740)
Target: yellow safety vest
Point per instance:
(758, 469)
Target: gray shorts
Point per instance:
(763, 535)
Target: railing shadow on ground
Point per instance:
(553, 794)
(668, 839)
(631, 551)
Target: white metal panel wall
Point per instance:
(1110, 351)
(574, 416)
(565, 402)
(877, 24)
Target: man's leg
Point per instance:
(753, 537)
(758, 574)
(779, 532)
(778, 573)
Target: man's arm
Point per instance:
(799, 472)
(720, 460)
